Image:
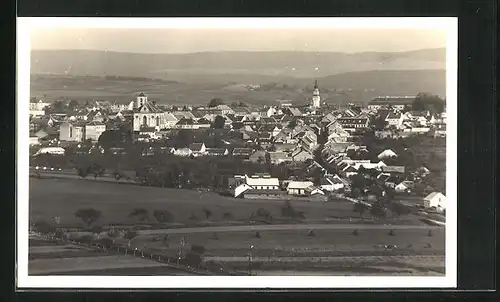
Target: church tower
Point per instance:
(141, 99)
(316, 100)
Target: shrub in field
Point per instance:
(391, 233)
(429, 233)
(207, 213)
(287, 210)
(215, 236)
(84, 171)
(399, 209)
(355, 232)
(193, 217)
(194, 256)
(88, 216)
(377, 210)
(257, 235)
(360, 208)
(140, 214)
(227, 216)
(44, 227)
(311, 233)
(86, 239)
(107, 242)
(163, 216)
(262, 213)
(60, 233)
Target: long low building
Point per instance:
(396, 102)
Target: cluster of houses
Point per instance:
(283, 125)
(271, 134)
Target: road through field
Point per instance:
(285, 227)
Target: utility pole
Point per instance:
(181, 246)
(250, 260)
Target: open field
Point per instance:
(53, 259)
(62, 198)
(282, 244)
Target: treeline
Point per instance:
(167, 170)
(129, 78)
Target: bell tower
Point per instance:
(316, 99)
(141, 100)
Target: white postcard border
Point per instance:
(24, 25)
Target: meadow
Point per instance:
(274, 250)
(63, 197)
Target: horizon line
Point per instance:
(237, 51)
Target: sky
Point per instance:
(204, 40)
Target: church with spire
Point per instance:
(316, 99)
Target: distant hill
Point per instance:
(243, 67)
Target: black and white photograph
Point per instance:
(241, 152)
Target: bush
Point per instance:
(163, 216)
(227, 216)
(257, 235)
(85, 239)
(391, 233)
(207, 213)
(107, 242)
(311, 233)
(44, 227)
(355, 232)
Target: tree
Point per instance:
(426, 101)
(88, 216)
(287, 210)
(292, 124)
(399, 209)
(358, 181)
(44, 227)
(377, 210)
(130, 235)
(215, 102)
(360, 208)
(219, 122)
(73, 104)
(262, 213)
(140, 213)
(96, 229)
(207, 213)
(84, 171)
(193, 217)
(194, 256)
(98, 171)
(163, 216)
(113, 233)
(379, 123)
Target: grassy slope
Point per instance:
(49, 198)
